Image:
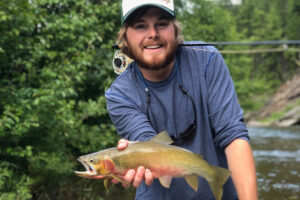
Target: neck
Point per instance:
(157, 75)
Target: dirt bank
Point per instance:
(283, 109)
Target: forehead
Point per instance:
(148, 12)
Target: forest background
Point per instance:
(56, 64)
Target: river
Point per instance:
(277, 157)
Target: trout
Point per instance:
(164, 160)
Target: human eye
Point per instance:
(139, 26)
(163, 24)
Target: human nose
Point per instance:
(153, 32)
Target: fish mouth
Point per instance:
(90, 171)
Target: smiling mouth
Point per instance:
(153, 46)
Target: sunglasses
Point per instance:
(191, 128)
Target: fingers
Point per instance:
(129, 176)
(136, 177)
(139, 176)
(122, 144)
(148, 177)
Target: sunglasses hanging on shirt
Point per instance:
(192, 127)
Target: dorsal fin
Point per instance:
(162, 137)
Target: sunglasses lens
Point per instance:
(192, 128)
(188, 131)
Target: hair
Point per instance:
(121, 38)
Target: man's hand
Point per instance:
(132, 176)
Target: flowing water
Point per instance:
(277, 157)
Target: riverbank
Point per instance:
(283, 109)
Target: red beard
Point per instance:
(156, 63)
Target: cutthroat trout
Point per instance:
(164, 160)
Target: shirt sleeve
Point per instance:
(131, 123)
(225, 113)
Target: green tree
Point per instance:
(203, 20)
(262, 20)
(55, 65)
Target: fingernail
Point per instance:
(121, 145)
(141, 168)
(131, 171)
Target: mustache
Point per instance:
(159, 43)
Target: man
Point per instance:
(186, 91)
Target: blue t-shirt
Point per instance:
(219, 117)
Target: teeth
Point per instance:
(153, 47)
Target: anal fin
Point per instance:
(165, 181)
(193, 181)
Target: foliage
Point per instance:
(262, 20)
(204, 21)
(54, 56)
(253, 20)
(55, 65)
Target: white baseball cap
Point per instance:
(129, 6)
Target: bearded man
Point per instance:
(187, 91)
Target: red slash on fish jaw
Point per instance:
(97, 177)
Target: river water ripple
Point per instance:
(277, 157)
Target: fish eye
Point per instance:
(91, 160)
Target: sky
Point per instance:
(236, 1)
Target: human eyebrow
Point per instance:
(138, 21)
(165, 17)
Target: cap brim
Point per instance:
(124, 18)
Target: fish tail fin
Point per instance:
(216, 185)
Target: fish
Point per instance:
(165, 161)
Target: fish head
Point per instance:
(96, 167)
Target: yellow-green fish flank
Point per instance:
(164, 160)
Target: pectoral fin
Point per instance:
(165, 181)
(192, 180)
(119, 179)
(106, 184)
